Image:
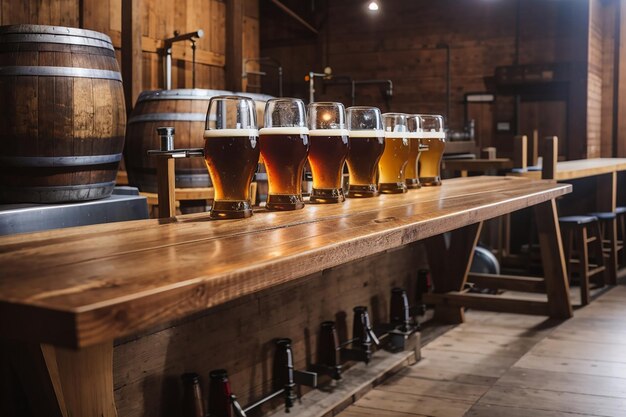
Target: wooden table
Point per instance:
(477, 165)
(66, 295)
(595, 190)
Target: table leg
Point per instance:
(61, 382)
(449, 266)
(557, 285)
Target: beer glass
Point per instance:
(414, 127)
(284, 143)
(367, 143)
(328, 150)
(434, 137)
(231, 154)
(392, 164)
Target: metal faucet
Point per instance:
(167, 48)
(363, 337)
(286, 377)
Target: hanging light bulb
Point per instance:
(373, 6)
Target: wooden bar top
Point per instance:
(580, 168)
(82, 286)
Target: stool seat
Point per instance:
(620, 210)
(577, 219)
(604, 215)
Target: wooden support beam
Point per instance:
(63, 382)
(132, 59)
(166, 187)
(533, 148)
(620, 80)
(508, 282)
(457, 299)
(451, 276)
(234, 45)
(550, 157)
(553, 260)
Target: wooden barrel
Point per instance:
(63, 115)
(185, 110)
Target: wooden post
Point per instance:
(234, 45)
(131, 51)
(62, 382)
(553, 260)
(520, 152)
(533, 149)
(550, 157)
(451, 276)
(166, 187)
(489, 153)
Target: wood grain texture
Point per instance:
(81, 287)
(60, 117)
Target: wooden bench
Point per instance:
(66, 295)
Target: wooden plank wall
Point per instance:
(40, 12)
(239, 336)
(160, 18)
(400, 43)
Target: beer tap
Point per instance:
(329, 352)
(286, 377)
(165, 168)
(363, 337)
(400, 327)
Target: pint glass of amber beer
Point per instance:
(392, 165)
(328, 150)
(284, 147)
(231, 154)
(432, 136)
(414, 127)
(367, 143)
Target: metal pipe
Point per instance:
(167, 47)
(264, 400)
(312, 76)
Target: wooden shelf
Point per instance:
(84, 286)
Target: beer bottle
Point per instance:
(192, 396)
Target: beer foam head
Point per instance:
(284, 131)
(328, 132)
(396, 135)
(367, 133)
(431, 135)
(230, 133)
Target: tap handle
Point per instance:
(362, 329)
(236, 406)
(399, 309)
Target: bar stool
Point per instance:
(610, 246)
(581, 237)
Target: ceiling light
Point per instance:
(373, 6)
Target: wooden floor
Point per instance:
(515, 366)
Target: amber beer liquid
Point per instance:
(366, 149)
(412, 176)
(232, 157)
(284, 151)
(430, 161)
(327, 154)
(392, 165)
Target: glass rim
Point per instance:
(326, 103)
(231, 97)
(363, 108)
